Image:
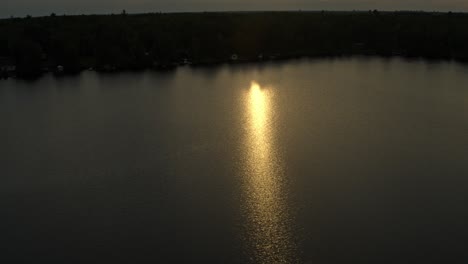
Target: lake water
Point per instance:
(359, 160)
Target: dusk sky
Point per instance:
(45, 7)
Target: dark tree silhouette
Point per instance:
(164, 40)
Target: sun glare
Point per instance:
(266, 210)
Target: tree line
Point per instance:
(123, 41)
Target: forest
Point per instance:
(30, 46)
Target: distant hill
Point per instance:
(31, 46)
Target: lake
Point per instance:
(356, 160)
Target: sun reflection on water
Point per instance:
(267, 229)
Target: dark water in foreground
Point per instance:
(327, 161)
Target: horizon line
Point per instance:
(241, 11)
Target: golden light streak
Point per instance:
(266, 211)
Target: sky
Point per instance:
(74, 7)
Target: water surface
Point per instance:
(311, 161)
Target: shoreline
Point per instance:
(173, 66)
